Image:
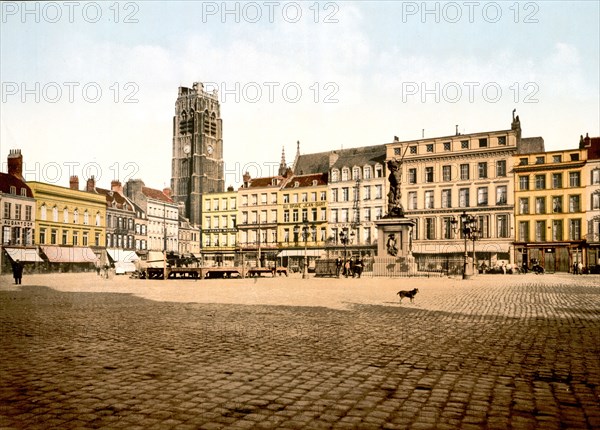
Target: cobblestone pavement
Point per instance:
(497, 352)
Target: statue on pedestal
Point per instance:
(395, 209)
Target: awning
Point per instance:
(122, 255)
(24, 254)
(71, 254)
(453, 248)
(300, 253)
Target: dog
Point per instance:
(410, 294)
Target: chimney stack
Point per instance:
(90, 186)
(74, 182)
(15, 163)
(116, 186)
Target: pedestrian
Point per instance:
(579, 268)
(504, 268)
(347, 268)
(358, 266)
(17, 268)
(338, 266)
(575, 268)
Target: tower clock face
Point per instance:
(187, 149)
(209, 149)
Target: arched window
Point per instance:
(345, 174)
(367, 172)
(55, 214)
(98, 218)
(75, 215)
(335, 175)
(65, 215)
(43, 212)
(86, 218)
(355, 173)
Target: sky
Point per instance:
(89, 88)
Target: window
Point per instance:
(323, 214)
(304, 197)
(75, 238)
(483, 142)
(574, 203)
(378, 212)
(345, 194)
(502, 140)
(378, 191)
(367, 172)
(524, 231)
(42, 236)
(540, 182)
(523, 183)
(557, 158)
(447, 146)
(254, 199)
(447, 228)
(524, 205)
(501, 168)
(464, 144)
(55, 214)
(574, 229)
(501, 195)
(539, 160)
(429, 199)
(334, 215)
(412, 176)
(412, 149)
(429, 228)
(7, 211)
(244, 201)
(295, 215)
(484, 225)
(429, 147)
(540, 205)
(502, 226)
(345, 174)
(295, 197)
(595, 179)
(482, 196)
(463, 198)
(286, 215)
(27, 213)
(84, 239)
(323, 195)
(523, 161)
(428, 174)
(446, 198)
(304, 215)
(263, 199)
(557, 180)
(53, 236)
(334, 195)
(367, 192)
(13, 190)
(345, 215)
(313, 197)
(86, 218)
(464, 172)
(540, 231)
(335, 175)
(75, 216)
(355, 173)
(482, 169)
(367, 214)
(557, 230)
(574, 179)
(557, 204)
(574, 157)
(378, 171)
(64, 237)
(595, 201)
(446, 173)
(412, 200)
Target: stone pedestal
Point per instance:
(394, 247)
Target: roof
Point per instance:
(530, 145)
(112, 196)
(156, 194)
(307, 180)
(265, 182)
(320, 162)
(7, 181)
(594, 148)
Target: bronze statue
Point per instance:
(392, 249)
(395, 208)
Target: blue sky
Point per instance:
(366, 72)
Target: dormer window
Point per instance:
(296, 184)
(367, 172)
(314, 182)
(345, 174)
(355, 173)
(335, 175)
(13, 190)
(24, 192)
(274, 181)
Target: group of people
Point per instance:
(349, 267)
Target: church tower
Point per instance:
(197, 163)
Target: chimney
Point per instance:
(116, 186)
(90, 186)
(74, 182)
(15, 163)
(167, 192)
(333, 157)
(246, 179)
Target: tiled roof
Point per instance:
(6, 181)
(307, 180)
(111, 196)
(594, 148)
(266, 182)
(319, 162)
(156, 194)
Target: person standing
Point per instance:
(17, 268)
(338, 266)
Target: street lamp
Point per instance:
(346, 239)
(469, 231)
(305, 239)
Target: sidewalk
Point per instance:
(497, 351)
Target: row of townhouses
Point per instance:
(526, 203)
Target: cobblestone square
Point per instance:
(494, 352)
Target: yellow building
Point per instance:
(550, 202)
(302, 219)
(69, 223)
(219, 214)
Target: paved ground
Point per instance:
(514, 351)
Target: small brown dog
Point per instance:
(410, 294)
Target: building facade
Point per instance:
(551, 201)
(219, 231)
(197, 162)
(592, 175)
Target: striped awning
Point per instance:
(300, 253)
(24, 254)
(69, 254)
(122, 255)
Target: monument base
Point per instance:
(394, 248)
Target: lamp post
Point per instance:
(305, 237)
(346, 238)
(469, 231)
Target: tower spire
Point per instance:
(282, 164)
